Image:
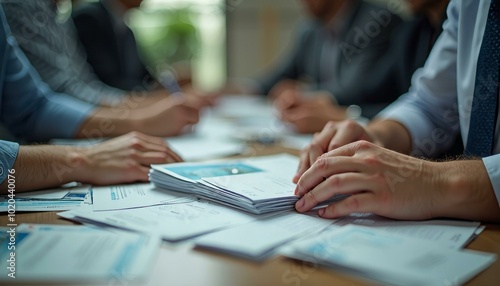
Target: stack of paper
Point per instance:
(392, 258)
(259, 185)
(65, 198)
(172, 222)
(75, 253)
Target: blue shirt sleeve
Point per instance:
(8, 154)
(28, 108)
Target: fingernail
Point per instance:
(321, 212)
(300, 204)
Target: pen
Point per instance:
(169, 82)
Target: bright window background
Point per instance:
(186, 33)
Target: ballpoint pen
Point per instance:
(167, 79)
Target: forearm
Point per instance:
(39, 167)
(391, 135)
(138, 99)
(107, 122)
(467, 192)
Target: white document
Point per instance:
(258, 239)
(49, 200)
(241, 107)
(171, 222)
(196, 148)
(64, 193)
(296, 141)
(77, 253)
(392, 258)
(257, 186)
(453, 234)
(55, 194)
(134, 196)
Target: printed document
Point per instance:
(75, 253)
(392, 258)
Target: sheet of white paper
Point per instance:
(65, 198)
(241, 107)
(78, 253)
(296, 141)
(51, 194)
(393, 258)
(256, 186)
(448, 233)
(41, 205)
(171, 222)
(280, 163)
(196, 148)
(133, 196)
(257, 239)
(55, 194)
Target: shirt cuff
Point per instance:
(492, 164)
(8, 155)
(65, 116)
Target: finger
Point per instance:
(191, 115)
(136, 173)
(325, 168)
(151, 139)
(348, 131)
(319, 144)
(298, 113)
(358, 203)
(148, 158)
(142, 174)
(287, 100)
(352, 148)
(316, 149)
(174, 155)
(338, 184)
(303, 165)
(143, 146)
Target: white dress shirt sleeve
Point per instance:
(429, 111)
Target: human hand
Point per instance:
(311, 114)
(123, 159)
(284, 86)
(167, 117)
(287, 100)
(205, 99)
(333, 135)
(379, 181)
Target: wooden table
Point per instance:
(184, 265)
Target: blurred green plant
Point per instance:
(166, 36)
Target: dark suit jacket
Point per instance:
(365, 64)
(113, 56)
(411, 46)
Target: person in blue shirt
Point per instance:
(30, 110)
(456, 92)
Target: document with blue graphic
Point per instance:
(51, 253)
(134, 196)
(392, 258)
